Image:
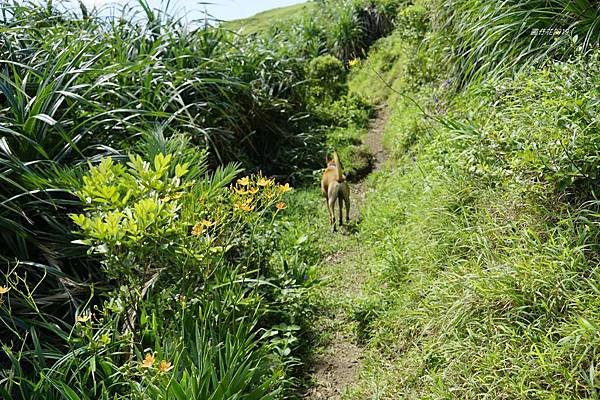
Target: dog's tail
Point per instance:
(338, 165)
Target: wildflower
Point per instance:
(240, 191)
(164, 366)
(280, 205)
(253, 191)
(206, 223)
(245, 181)
(4, 289)
(244, 207)
(352, 63)
(264, 182)
(83, 318)
(285, 188)
(197, 229)
(148, 361)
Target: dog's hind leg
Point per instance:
(341, 211)
(347, 202)
(331, 208)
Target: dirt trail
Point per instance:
(338, 358)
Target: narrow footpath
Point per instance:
(338, 354)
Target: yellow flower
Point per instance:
(285, 188)
(83, 318)
(164, 366)
(264, 182)
(206, 223)
(245, 181)
(280, 206)
(197, 229)
(352, 63)
(244, 206)
(253, 191)
(148, 361)
(4, 289)
(240, 191)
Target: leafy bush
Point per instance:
(350, 110)
(328, 78)
(414, 22)
(164, 229)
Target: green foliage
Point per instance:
(349, 110)
(178, 248)
(557, 105)
(413, 22)
(484, 234)
(328, 78)
(220, 88)
(169, 279)
(489, 38)
(346, 29)
(356, 158)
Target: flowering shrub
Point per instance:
(179, 245)
(152, 223)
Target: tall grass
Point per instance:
(483, 227)
(489, 38)
(345, 29)
(74, 89)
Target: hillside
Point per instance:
(263, 20)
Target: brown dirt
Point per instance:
(336, 366)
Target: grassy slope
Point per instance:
(263, 20)
(485, 283)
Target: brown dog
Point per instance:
(335, 187)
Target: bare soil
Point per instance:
(337, 362)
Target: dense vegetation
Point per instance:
(483, 228)
(144, 169)
(152, 246)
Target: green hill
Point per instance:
(262, 20)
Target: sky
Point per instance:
(193, 9)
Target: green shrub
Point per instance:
(539, 126)
(348, 111)
(328, 77)
(413, 22)
(165, 229)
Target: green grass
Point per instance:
(382, 69)
(483, 235)
(480, 237)
(263, 20)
